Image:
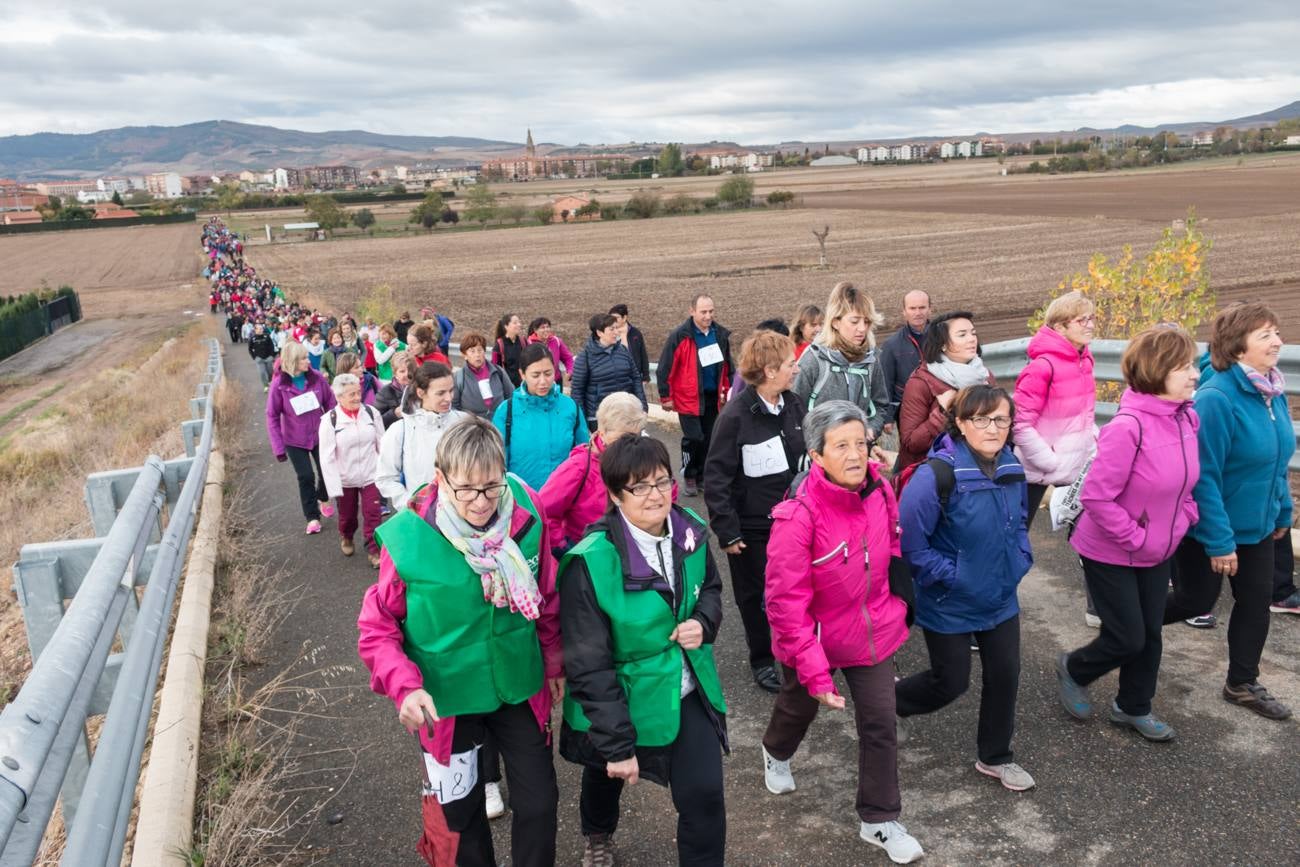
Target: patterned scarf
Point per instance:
(492, 554)
(1270, 386)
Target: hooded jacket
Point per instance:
(1056, 398)
(387, 401)
(967, 559)
(920, 417)
(1245, 444)
(828, 597)
(574, 495)
(349, 448)
(900, 356)
(284, 425)
(406, 455)
(679, 375)
(599, 371)
(542, 432)
(825, 374)
(1137, 498)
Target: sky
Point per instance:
(606, 71)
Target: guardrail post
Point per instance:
(191, 433)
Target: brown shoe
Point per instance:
(599, 851)
(348, 548)
(1254, 696)
(374, 560)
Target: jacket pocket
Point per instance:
(839, 552)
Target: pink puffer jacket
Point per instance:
(828, 598)
(1056, 397)
(574, 495)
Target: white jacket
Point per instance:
(407, 453)
(349, 448)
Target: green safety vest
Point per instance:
(647, 664)
(473, 656)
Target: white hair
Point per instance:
(343, 382)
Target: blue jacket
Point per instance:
(967, 562)
(542, 432)
(599, 371)
(1245, 443)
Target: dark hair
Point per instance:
(619, 310)
(536, 324)
(1231, 328)
(936, 335)
(808, 314)
(533, 353)
(472, 339)
(600, 322)
(976, 400)
(421, 377)
(501, 325)
(1152, 355)
(777, 325)
(629, 459)
(346, 362)
(427, 335)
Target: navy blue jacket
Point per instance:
(599, 371)
(966, 562)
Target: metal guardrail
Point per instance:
(43, 746)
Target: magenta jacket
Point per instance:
(574, 495)
(828, 598)
(1055, 397)
(559, 352)
(384, 608)
(286, 427)
(1137, 498)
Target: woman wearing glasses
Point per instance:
(968, 551)
(461, 631)
(641, 604)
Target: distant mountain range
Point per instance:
(222, 146)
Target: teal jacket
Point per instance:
(539, 432)
(1245, 444)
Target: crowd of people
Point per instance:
(541, 550)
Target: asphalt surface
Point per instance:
(1227, 791)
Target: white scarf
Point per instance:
(960, 376)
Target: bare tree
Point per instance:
(821, 242)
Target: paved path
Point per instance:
(1227, 791)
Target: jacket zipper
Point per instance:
(866, 616)
(1178, 504)
(841, 547)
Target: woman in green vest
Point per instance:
(641, 601)
(461, 632)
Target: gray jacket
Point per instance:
(825, 374)
(465, 395)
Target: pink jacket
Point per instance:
(828, 598)
(1137, 498)
(384, 608)
(349, 449)
(574, 495)
(1055, 401)
(560, 353)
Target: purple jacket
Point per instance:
(286, 427)
(1137, 498)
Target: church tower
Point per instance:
(530, 148)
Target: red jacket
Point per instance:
(679, 375)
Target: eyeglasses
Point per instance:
(983, 421)
(491, 493)
(1086, 320)
(643, 489)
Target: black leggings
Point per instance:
(311, 481)
(747, 583)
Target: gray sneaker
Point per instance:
(599, 851)
(1011, 775)
(1146, 725)
(1074, 698)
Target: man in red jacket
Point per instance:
(694, 375)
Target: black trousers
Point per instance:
(1036, 493)
(1283, 568)
(311, 481)
(697, 430)
(748, 578)
(949, 677)
(695, 780)
(1131, 603)
(534, 795)
(489, 760)
(1196, 590)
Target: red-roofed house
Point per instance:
(16, 218)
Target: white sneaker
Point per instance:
(1092, 620)
(496, 807)
(776, 775)
(900, 846)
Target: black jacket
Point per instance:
(740, 505)
(261, 346)
(387, 401)
(589, 658)
(600, 371)
(402, 327)
(636, 345)
(900, 356)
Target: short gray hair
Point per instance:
(343, 382)
(620, 412)
(825, 417)
(468, 445)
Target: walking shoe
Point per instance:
(692, 489)
(492, 801)
(327, 510)
(374, 560)
(1146, 725)
(1074, 698)
(1011, 775)
(900, 846)
(1289, 605)
(776, 774)
(1203, 621)
(348, 548)
(1256, 698)
(598, 851)
(767, 678)
(1091, 620)
(313, 527)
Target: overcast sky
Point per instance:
(608, 71)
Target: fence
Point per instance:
(20, 331)
(61, 225)
(43, 746)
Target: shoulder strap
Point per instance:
(334, 420)
(945, 480)
(510, 423)
(458, 378)
(825, 366)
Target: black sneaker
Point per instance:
(1254, 696)
(767, 678)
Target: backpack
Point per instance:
(827, 368)
(945, 480)
(370, 411)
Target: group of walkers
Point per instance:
(537, 557)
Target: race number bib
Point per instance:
(764, 459)
(485, 388)
(454, 780)
(710, 355)
(304, 403)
